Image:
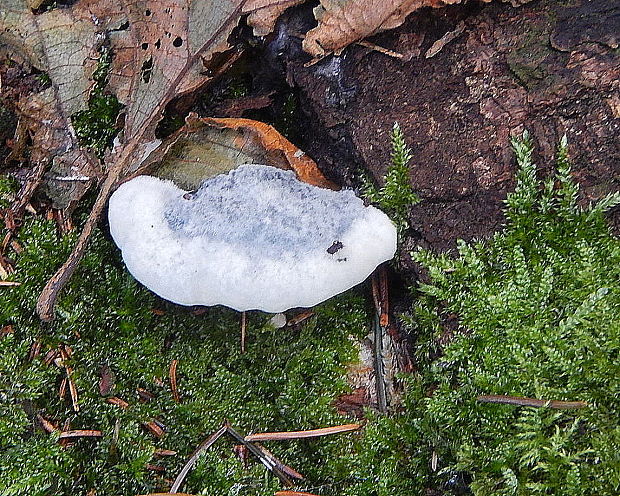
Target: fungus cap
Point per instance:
(255, 238)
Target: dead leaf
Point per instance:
(276, 149)
(159, 48)
(210, 146)
(265, 13)
(342, 22)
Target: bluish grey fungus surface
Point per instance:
(255, 238)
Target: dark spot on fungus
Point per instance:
(145, 46)
(178, 41)
(147, 12)
(158, 44)
(337, 245)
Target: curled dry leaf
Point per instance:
(209, 146)
(263, 14)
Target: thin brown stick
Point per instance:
(380, 49)
(9, 284)
(299, 318)
(165, 494)
(65, 354)
(46, 424)
(290, 471)
(27, 190)
(206, 444)
(62, 390)
(80, 433)
(266, 459)
(276, 436)
(164, 452)
(154, 429)
(519, 401)
(173, 380)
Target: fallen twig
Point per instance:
(243, 326)
(154, 428)
(165, 494)
(173, 380)
(380, 49)
(46, 424)
(206, 444)
(65, 354)
(80, 433)
(444, 40)
(164, 452)
(291, 472)
(9, 284)
(299, 318)
(274, 436)
(266, 458)
(516, 400)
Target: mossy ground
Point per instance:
(530, 312)
(286, 380)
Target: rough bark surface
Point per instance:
(548, 67)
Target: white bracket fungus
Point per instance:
(255, 238)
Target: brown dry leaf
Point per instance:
(209, 146)
(160, 50)
(263, 14)
(342, 22)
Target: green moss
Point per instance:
(396, 196)
(286, 380)
(536, 309)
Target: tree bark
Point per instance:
(550, 67)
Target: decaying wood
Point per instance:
(520, 401)
(269, 436)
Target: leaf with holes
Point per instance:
(160, 50)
